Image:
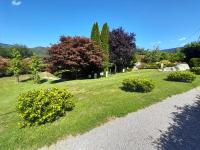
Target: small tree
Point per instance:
(16, 64)
(35, 67)
(95, 34)
(105, 46)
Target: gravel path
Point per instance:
(170, 124)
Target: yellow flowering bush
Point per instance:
(38, 107)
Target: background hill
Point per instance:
(40, 51)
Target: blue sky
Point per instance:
(167, 23)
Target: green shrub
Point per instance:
(195, 70)
(38, 107)
(152, 66)
(195, 62)
(138, 85)
(181, 76)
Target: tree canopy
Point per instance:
(122, 45)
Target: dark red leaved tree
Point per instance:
(76, 54)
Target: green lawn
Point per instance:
(99, 100)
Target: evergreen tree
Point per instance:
(105, 46)
(95, 34)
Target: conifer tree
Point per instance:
(105, 46)
(95, 34)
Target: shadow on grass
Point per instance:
(43, 81)
(184, 133)
(182, 81)
(26, 80)
(57, 81)
(126, 89)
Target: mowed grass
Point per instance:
(98, 101)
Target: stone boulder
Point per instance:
(178, 67)
(182, 67)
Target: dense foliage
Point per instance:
(4, 67)
(181, 76)
(75, 54)
(38, 107)
(5, 52)
(191, 50)
(105, 46)
(157, 56)
(138, 85)
(194, 62)
(122, 45)
(195, 70)
(95, 34)
(23, 50)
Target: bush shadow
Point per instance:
(43, 81)
(184, 133)
(126, 89)
(57, 81)
(26, 80)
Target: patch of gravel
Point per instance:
(141, 130)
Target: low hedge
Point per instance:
(181, 76)
(195, 70)
(138, 85)
(38, 107)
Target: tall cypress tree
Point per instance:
(105, 46)
(95, 34)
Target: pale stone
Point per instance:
(106, 74)
(182, 67)
(178, 67)
(95, 76)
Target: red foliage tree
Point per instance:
(77, 54)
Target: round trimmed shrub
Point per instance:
(38, 107)
(181, 76)
(195, 70)
(138, 85)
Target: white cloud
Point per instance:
(182, 39)
(16, 2)
(156, 43)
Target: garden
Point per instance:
(92, 80)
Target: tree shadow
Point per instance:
(184, 133)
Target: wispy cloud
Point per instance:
(156, 43)
(16, 2)
(182, 39)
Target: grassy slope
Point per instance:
(99, 100)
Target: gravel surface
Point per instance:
(170, 124)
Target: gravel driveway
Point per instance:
(171, 124)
